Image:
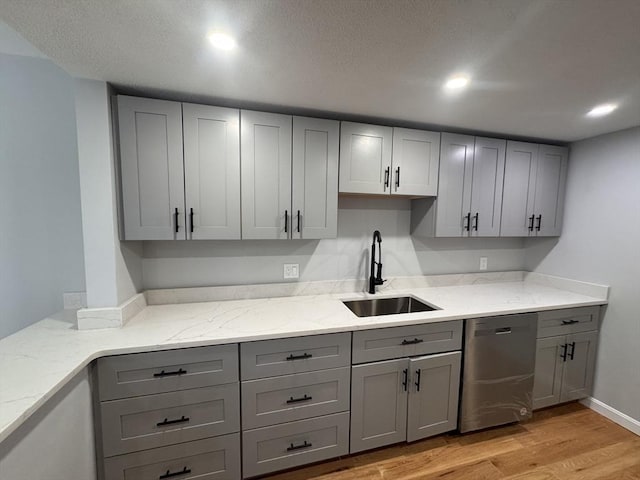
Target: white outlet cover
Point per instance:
(291, 270)
(483, 263)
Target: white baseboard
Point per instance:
(612, 414)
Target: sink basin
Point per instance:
(387, 306)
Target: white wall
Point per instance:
(600, 243)
(57, 442)
(200, 263)
(41, 249)
(113, 270)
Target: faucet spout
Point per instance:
(375, 276)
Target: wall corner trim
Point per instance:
(612, 414)
(113, 317)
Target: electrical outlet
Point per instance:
(483, 263)
(291, 270)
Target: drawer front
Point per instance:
(294, 397)
(398, 342)
(270, 358)
(123, 376)
(211, 459)
(291, 444)
(567, 321)
(152, 421)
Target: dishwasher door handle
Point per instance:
(503, 331)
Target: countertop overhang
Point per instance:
(39, 360)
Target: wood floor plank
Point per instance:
(568, 442)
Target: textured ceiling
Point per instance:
(537, 66)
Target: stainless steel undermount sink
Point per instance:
(387, 306)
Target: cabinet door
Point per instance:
(265, 164)
(519, 189)
(548, 373)
(486, 187)
(378, 404)
(212, 171)
(415, 161)
(551, 178)
(151, 169)
(454, 189)
(433, 397)
(365, 158)
(579, 367)
(315, 178)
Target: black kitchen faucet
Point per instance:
(375, 278)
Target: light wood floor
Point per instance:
(569, 442)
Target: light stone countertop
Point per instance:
(39, 360)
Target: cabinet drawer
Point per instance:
(152, 421)
(571, 320)
(123, 376)
(269, 358)
(297, 443)
(397, 342)
(294, 397)
(211, 459)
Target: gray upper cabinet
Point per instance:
(212, 171)
(289, 175)
(315, 178)
(470, 191)
(365, 158)
(388, 161)
(265, 164)
(415, 161)
(534, 189)
(152, 174)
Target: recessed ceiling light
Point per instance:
(222, 41)
(457, 82)
(602, 110)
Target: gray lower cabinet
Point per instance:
(405, 399)
(399, 342)
(269, 401)
(296, 443)
(210, 459)
(564, 368)
(166, 414)
(140, 423)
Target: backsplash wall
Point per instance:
(209, 263)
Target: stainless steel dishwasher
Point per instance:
(499, 363)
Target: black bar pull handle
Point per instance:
(418, 373)
(191, 219)
(475, 225)
(467, 222)
(397, 178)
(180, 371)
(412, 342)
(563, 355)
(170, 474)
(166, 422)
(299, 357)
(298, 447)
(298, 221)
(286, 221)
(539, 224)
(175, 219)
(300, 399)
(570, 322)
(531, 220)
(573, 350)
(386, 177)
(405, 378)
